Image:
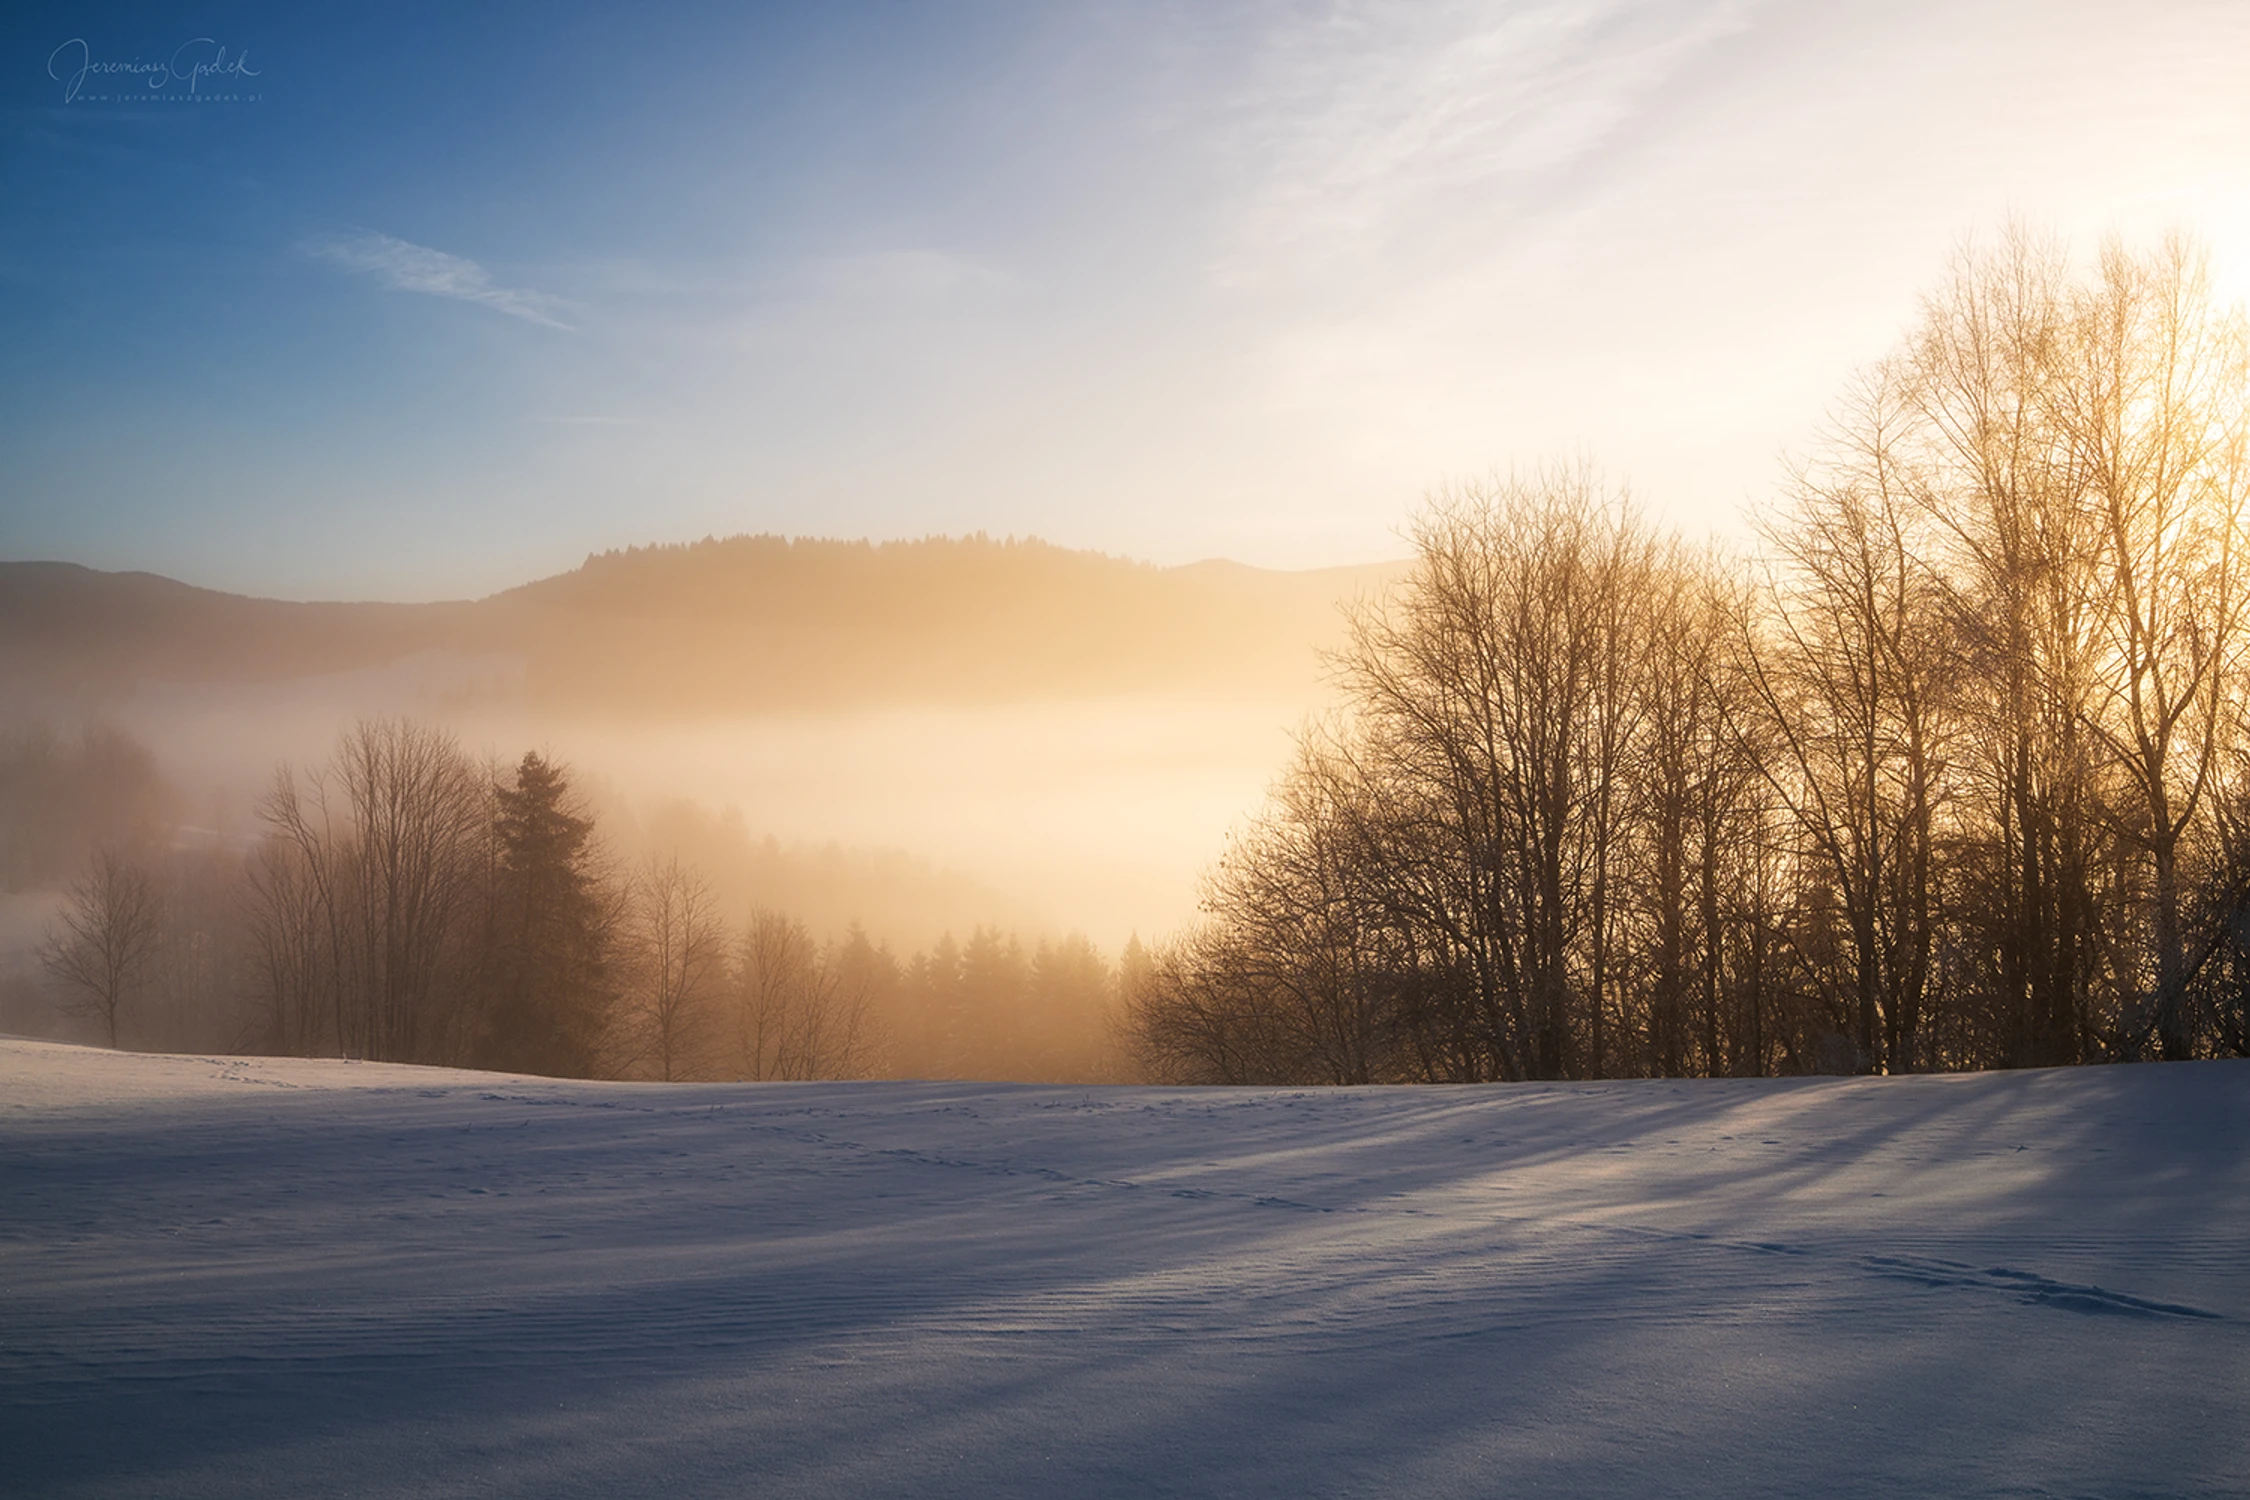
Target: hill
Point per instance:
(721, 627)
(68, 631)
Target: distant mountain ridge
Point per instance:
(723, 626)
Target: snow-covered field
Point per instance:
(238, 1277)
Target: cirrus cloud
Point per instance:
(407, 267)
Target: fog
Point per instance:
(915, 736)
(1096, 817)
(964, 842)
(1092, 817)
(938, 788)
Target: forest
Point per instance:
(406, 903)
(1954, 773)
(1951, 771)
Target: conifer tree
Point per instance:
(553, 929)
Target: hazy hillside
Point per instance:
(720, 627)
(974, 731)
(67, 631)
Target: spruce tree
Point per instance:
(551, 955)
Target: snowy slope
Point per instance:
(225, 1277)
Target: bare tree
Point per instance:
(1496, 687)
(795, 1016)
(101, 944)
(385, 853)
(1196, 1014)
(2004, 495)
(840, 1035)
(2153, 405)
(286, 922)
(1693, 823)
(677, 962)
(1305, 944)
(1853, 685)
(1960, 776)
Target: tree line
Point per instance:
(405, 903)
(1955, 773)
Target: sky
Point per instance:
(398, 301)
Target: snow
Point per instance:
(238, 1277)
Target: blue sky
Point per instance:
(431, 300)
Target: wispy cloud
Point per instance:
(408, 267)
(1372, 117)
